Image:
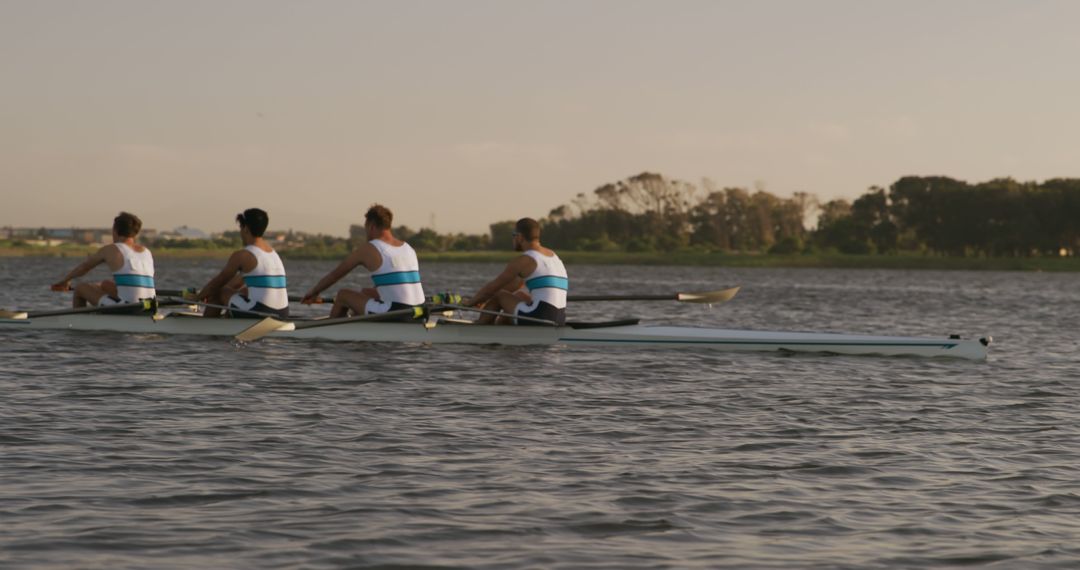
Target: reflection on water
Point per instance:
(147, 451)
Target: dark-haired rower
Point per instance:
(252, 284)
(132, 266)
(393, 266)
(540, 271)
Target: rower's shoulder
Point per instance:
(261, 246)
(243, 253)
(366, 254)
(542, 251)
(391, 242)
(364, 250)
(110, 251)
(523, 263)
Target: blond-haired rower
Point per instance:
(394, 269)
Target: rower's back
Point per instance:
(547, 285)
(135, 277)
(397, 279)
(266, 282)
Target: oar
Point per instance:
(321, 300)
(318, 300)
(496, 313)
(439, 298)
(270, 324)
(182, 301)
(414, 312)
(177, 292)
(705, 297)
(146, 306)
(708, 297)
(261, 329)
(182, 292)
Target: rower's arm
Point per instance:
(511, 275)
(359, 256)
(95, 259)
(236, 282)
(232, 268)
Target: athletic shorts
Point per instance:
(539, 310)
(239, 307)
(377, 307)
(109, 300)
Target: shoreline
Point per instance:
(690, 258)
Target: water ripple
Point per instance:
(134, 451)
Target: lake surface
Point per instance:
(128, 451)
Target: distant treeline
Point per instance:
(938, 215)
(651, 213)
(1000, 218)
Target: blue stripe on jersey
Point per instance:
(134, 281)
(265, 281)
(548, 281)
(396, 278)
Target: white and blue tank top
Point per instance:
(548, 283)
(398, 278)
(266, 283)
(135, 279)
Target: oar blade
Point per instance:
(708, 297)
(263, 328)
(4, 314)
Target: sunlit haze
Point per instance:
(459, 114)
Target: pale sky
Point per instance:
(469, 112)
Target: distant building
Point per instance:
(27, 233)
(56, 236)
(60, 233)
(183, 233)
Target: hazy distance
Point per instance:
(467, 112)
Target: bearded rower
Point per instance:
(541, 272)
(132, 266)
(393, 266)
(252, 284)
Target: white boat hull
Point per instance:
(765, 341)
(623, 335)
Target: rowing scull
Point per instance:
(620, 333)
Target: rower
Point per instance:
(540, 271)
(132, 266)
(252, 284)
(393, 266)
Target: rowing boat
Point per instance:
(617, 333)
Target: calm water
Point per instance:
(122, 451)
